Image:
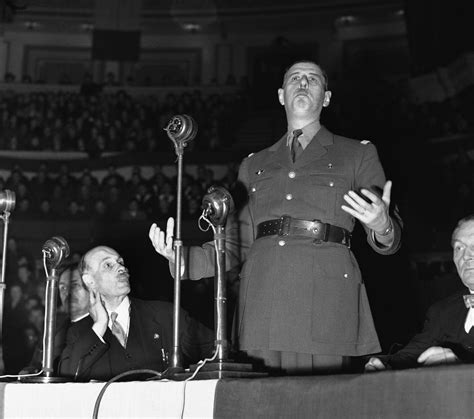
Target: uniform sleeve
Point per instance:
(200, 260)
(370, 175)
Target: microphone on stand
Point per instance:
(55, 250)
(217, 204)
(181, 129)
(7, 201)
(7, 205)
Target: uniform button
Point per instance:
(281, 243)
(156, 336)
(253, 189)
(346, 275)
(330, 165)
(291, 175)
(331, 184)
(289, 197)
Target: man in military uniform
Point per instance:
(303, 306)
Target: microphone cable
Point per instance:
(20, 376)
(95, 413)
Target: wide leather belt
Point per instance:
(319, 231)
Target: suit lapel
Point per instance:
(459, 315)
(133, 341)
(144, 329)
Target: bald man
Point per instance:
(122, 333)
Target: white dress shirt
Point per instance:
(469, 318)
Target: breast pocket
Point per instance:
(325, 192)
(262, 189)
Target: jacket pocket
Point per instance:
(335, 312)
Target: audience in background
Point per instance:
(97, 124)
(61, 195)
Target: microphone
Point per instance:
(55, 250)
(7, 200)
(217, 204)
(181, 129)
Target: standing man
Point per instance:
(122, 333)
(448, 333)
(303, 306)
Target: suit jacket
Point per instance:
(296, 294)
(149, 343)
(444, 326)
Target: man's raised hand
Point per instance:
(163, 242)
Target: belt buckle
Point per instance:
(347, 240)
(284, 227)
(320, 228)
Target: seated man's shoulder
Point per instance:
(84, 322)
(447, 304)
(153, 305)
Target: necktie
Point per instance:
(469, 300)
(296, 148)
(117, 330)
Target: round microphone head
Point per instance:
(56, 250)
(218, 203)
(181, 128)
(7, 200)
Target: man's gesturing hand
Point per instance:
(163, 243)
(373, 214)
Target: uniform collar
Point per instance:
(309, 132)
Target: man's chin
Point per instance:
(468, 279)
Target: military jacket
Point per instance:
(298, 294)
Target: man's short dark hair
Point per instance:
(459, 225)
(311, 61)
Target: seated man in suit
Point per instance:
(448, 332)
(122, 333)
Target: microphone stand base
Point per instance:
(44, 379)
(221, 369)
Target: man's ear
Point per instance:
(327, 98)
(281, 97)
(88, 280)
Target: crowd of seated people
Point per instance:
(74, 121)
(114, 198)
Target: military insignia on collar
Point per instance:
(365, 142)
